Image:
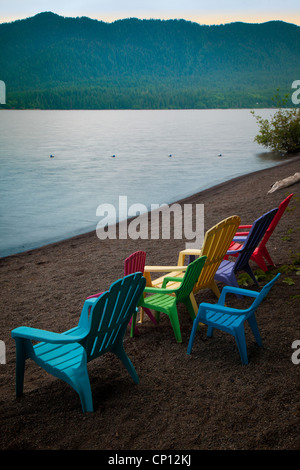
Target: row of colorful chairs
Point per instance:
(106, 315)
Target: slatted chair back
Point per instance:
(135, 263)
(190, 278)
(111, 314)
(263, 293)
(215, 245)
(281, 208)
(256, 233)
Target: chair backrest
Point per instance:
(215, 245)
(191, 275)
(255, 235)
(281, 208)
(263, 293)
(111, 313)
(135, 263)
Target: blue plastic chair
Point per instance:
(101, 328)
(231, 320)
(228, 269)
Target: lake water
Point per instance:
(44, 199)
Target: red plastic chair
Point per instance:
(134, 263)
(261, 253)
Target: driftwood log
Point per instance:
(285, 182)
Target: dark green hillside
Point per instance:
(49, 61)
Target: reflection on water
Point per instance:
(44, 199)
(273, 156)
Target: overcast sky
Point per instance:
(201, 11)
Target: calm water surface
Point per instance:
(45, 199)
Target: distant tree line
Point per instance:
(146, 97)
(49, 61)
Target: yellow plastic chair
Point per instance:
(215, 245)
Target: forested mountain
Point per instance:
(49, 61)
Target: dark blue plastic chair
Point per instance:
(228, 269)
(231, 320)
(101, 328)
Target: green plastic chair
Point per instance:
(165, 300)
(101, 329)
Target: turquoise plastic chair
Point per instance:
(101, 328)
(231, 320)
(134, 263)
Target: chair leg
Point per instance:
(173, 315)
(253, 325)
(120, 352)
(20, 365)
(134, 331)
(148, 312)
(81, 383)
(259, 260)
(267, 256)
(240, 338)
(192, 336)
(250, 272)
(157, 316)
(194, 303)
(141, 316)
(190, 308)
(210, 331)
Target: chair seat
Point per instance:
(225, 321)
(161, 300)
(225, 268)
(234, 246)
(60, 357)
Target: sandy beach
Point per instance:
(205, 401)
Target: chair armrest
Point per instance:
(36, 334)
(239, 238)
(191, 251)
(161, 269)
(237, 291)
(217, 308)
(159, 290)
(230, 252)
(187, 252)
(169, 279)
